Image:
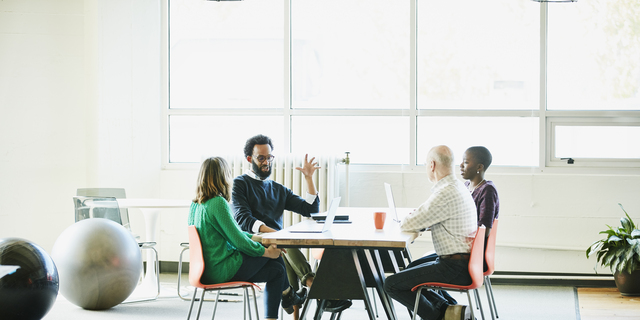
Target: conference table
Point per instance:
(355, 258)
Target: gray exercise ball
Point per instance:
(99, 263)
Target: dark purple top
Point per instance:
(487, 203)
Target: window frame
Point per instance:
(588, 119)
(547, 119)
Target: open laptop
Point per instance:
(316, 227)
(392, 204)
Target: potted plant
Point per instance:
(620, 251)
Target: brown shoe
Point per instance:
(457, 312)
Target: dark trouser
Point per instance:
(429, 258)
(432, 304)
(271, 271)
(297, 267)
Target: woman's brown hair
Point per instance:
(214, 180)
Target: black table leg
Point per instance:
(378, 273)
(358, 266)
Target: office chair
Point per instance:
(87, 207)
(196, 268)
(475, 270)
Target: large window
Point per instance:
(594, 56)
(593, 83)
(386, 80)
(479, 55)
(350, 54)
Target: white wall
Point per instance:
(42, 111)
(546, 220)
(80, 99)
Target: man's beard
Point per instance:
(258, 170)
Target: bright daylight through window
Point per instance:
(402, 76)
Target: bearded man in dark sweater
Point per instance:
(259, 202)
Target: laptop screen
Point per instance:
(331, 214)
(392, 205)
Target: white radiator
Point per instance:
(283, 171)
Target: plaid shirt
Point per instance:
(450, 214)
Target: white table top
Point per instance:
(153, 203)
(360, 233)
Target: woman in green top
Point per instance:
(231, 254)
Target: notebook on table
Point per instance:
(316, 227)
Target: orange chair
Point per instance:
(489, 257)
(475, 270)
(196, 268)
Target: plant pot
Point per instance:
(628, 283)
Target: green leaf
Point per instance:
(633, 226)
(626, 224)
(594, 247)
(635, 233)
(614, 264)
(614, 239)
(621, 265)
(608, 258)
(600, 256)
(633, 265)
(609, 232)
(629, 254)
(622, 233)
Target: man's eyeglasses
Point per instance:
(264, 158)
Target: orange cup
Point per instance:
(379, 218)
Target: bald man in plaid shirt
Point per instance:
(450, 214)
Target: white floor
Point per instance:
(514, 302)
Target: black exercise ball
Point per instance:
(30, 291)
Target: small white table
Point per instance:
(151, 209)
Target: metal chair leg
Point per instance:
(180, 271)
(193, 300)
(492, 300)
(475, 292)
(473, 316)
(215, 305)
(201, 302)
(255, 302)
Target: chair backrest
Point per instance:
(490, 251)
(108, 192)
(476, 258)
(196, 260)
(96, 207)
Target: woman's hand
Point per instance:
(272, 252)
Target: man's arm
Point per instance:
(307, 169)
(311, 203)
(428, 214)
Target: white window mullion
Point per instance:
(413, 84)
(544, 145)
(287, 75)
